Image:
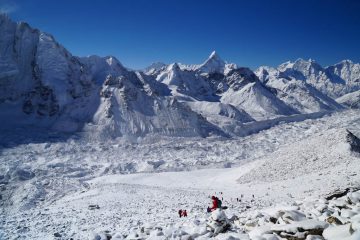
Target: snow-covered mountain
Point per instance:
(298, 94)
(351, 100)
(213, 64)
(43, 85)
(274, 175)
(38, 77)
(349, 72)
(154, 68)
(333, 81)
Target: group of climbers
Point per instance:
(182, 213)
(216, 204)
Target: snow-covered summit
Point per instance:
(213, 64)
(100, 67)
(154, 68)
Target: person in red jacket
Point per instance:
(214, 204)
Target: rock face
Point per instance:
(37, 72)
(353, 141)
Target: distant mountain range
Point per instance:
(44, 85)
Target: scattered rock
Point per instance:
(338, 194)
(93, 207)
(333, 220)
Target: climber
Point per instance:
(215, 204)
(180, 213)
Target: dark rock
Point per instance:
(93, 207)
(24, 174)
(334, 220)
(57, 234)
(353, 141)
(338, 194)
(273, 220)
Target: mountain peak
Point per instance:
(346, 61)
(156, 66)
(174, 67)
(213, 55)
(113, 61)
(213, 64)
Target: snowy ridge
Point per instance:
(43, 85)
(333, 81)
(351, 100)
(300, 95)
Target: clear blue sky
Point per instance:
(250, 33)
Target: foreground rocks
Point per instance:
(328, 218)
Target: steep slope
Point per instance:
(296, 93)
(349, 72)
(154, 68)
(245, 91)
(337, 148)
(213, 64)
(333, 81)
(38, 77)
(134, 104)
(42, 84)
(315, 75)
(215, 82)
(101, 67)
(186, 83)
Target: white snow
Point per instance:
(91, 149)
(54, 183)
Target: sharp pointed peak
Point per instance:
(214, 56)
(174, 66)
(113, 61)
